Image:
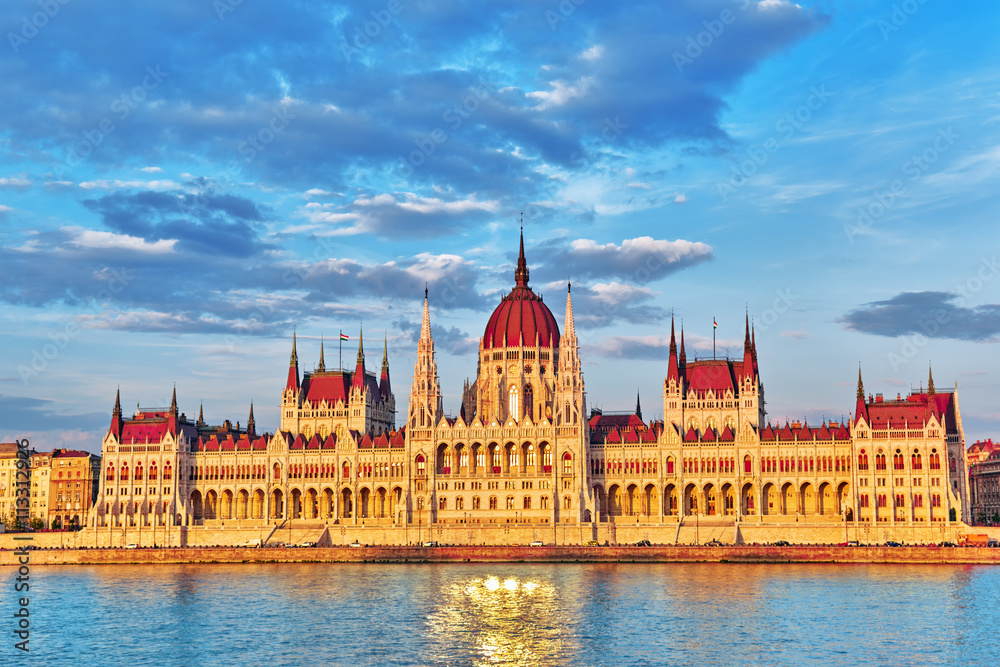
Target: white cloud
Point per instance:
(680, 199)
(151, 170)
(561, 93)
(14, 182)
(5, 209)
(115, 184)
(615, 292)
(89, 238)
(801, 334)
(316, 192)
(640, 186)
(593, 53)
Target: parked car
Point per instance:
(306, 545)
(714, 543)
(132, 546)
(643, 543)
(782, 543)
(537, 543)
(849, 543)
(592, 543)
(355, 544)
(430, 543)
(947, 544)
(893, 543)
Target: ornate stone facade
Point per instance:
(523, 452)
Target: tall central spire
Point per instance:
(521, 272)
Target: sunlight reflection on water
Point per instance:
(511, 614)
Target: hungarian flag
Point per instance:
(344, 336)
(715, 325)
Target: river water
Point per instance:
(507, 614)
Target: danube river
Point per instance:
(508, 614)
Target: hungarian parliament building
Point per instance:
(524, 453)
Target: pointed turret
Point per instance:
(322, 365)
(748, 365)
(930, 380)
(250, 423)
(683, 356)
(293, 368)
(117, 422)
(359, 370)
(425, 389)
(672, 370)
(521, 272)
(569, 378)
(173, 402)
(383, 384)
(172, 418)
(201, 415)
(638, 409)
(861, 409)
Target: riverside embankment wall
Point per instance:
(500, 554)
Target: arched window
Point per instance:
(124, 472)
(152, 472)
(510, 502)
(567, 464)
(513, 403)
(442, 503)
(747, 464)
(567, 502)
(420, 465)
(935, 460)
(475, 502)
(167, 472)
(109, 473)
(527, 502)
(916, 461)
(493, 502)
(863, 461)
(951, 463)
(138, 472)
(670, 465)
(530, 457)
(512, 457)
(546, 455)
(459, 503)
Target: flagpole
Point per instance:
(714, 326)
(341, 339)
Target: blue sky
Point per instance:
(183, 183)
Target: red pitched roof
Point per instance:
(714, 374)
(691, 435)
(727, 435)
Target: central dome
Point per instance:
(521, 319)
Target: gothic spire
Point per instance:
(861, 386)
(294, 359)
(521, 273)
(746, 338)
(638, 410)
(201, 415)
(683, 358)
(361, 347)
(425, 327)
(118, 403)
(570, 324)
(250, 421)
(672, 370)
(930, 380)
(322, 365)
(173, 401)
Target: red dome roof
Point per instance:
(521, 317)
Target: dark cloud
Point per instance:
(932, 314)
(208, 224)
(452, 340)
(631, 347)
(23, 413)
(566, 92)
(637, 260)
